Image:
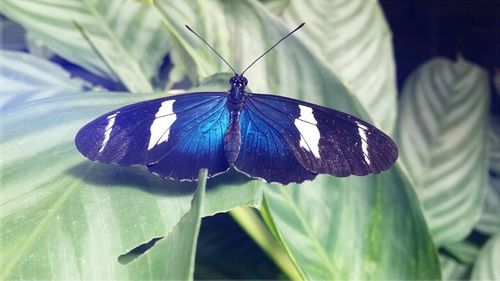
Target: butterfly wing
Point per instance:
(264, 151)
(173, 136)
(321, 141)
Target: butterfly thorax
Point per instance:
(232, 137)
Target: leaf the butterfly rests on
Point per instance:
(273, 138)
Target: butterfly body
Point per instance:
(235, 103)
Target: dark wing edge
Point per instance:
(328, 141)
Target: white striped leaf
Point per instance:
(26, 78)
(451, 269)
(490, 217)
(353, 39)
(487, 264)
(442, 134)
(128, 35)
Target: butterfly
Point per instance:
(273, 138)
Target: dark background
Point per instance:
(423, 29)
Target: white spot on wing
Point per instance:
(107, 131)
(364, 144)
(164, 118)
(306, 124)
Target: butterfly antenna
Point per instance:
(291, 32)
(189, 28)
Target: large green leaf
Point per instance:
(25, 77)
(451, 269)
(486, 266)
(489, 223)
(129, 39)
(357, 228)
(442, 133)
(172, 258)
(65, 217)
(353, 39)
(380, 229)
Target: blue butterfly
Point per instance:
(273, 138)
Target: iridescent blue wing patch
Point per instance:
(173, 136)
(286, 140)
(265, 150)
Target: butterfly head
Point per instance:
(238, 81)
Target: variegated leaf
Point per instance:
(353, 38)
(442, 134)
(129, 39)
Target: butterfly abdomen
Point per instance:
(232, 138)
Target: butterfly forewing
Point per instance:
(167, 133)
(324, 140)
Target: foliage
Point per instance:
(65, 217)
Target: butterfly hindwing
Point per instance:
(322, 140)
(173, 136)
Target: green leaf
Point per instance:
(489, 223)
(453, 270)
(442, 134)
(355, 228)
(486, 266)
(369, 232)
(172, 258)
(465, 251)
(65, 217)
(128, 35)
(255, 227)
(353, 39)
(25, 78)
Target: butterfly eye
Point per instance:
(245, 81)
(232, 81)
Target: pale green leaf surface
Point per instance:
(66, 217)
(356, 228)
(25, 77)
(172, 258)
(127, 34)
(489, 223)
(487, 264)
(442, 136)
(353, 39)
(293, 71)
(452, 269)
